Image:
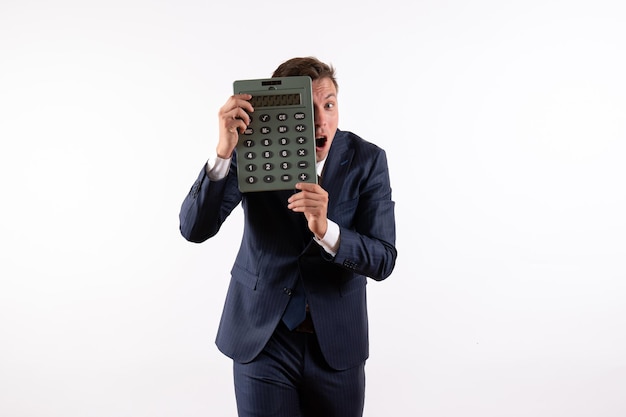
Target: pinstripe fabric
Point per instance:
(277, 248)
(297, 381)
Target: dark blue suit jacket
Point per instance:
(277, 249)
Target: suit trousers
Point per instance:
(290, 378)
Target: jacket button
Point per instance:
(287, 291)
(349, 264)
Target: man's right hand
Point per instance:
(233, 119)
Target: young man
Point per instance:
(318, 244)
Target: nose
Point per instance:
(318, 118)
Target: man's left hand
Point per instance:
(312, 200)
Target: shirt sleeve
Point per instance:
(330, 241)
(217, 168)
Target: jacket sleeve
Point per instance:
(367, 247)
(207, 206)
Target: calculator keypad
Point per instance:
(277, 150)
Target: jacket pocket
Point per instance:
(244, 277)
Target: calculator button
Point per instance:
(268, 178)
(248, 131)
(251, 180)
(284, 153)
(303, 164)
(248, 143)
(285, 165)
(267, 154)
(266, 142)
(301, 140)
(284, 141)
(264, 118)
(250, 167)
(283, 129)
(250, 155)
(299, 116)
(268, 167)
(300, 128)
(303, 176)
(265, 130)
(281, 117)
(285, 177)
(302, 152)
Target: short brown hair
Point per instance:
(310, 66)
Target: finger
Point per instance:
(242, 114)
(308, 186)
(236, 125)
(236, 105)
(310, 201)
(236, 120)
(242, 100)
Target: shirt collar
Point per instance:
(319, 167)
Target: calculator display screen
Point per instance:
(272, 100)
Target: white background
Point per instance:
(505, 129)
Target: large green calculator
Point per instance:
(277, 150)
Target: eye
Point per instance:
(330, 105)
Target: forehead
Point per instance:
(323, 88)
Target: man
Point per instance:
(317, 244)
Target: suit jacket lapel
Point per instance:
(336, 168)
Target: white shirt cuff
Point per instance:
(217, 168)
(330, 241)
